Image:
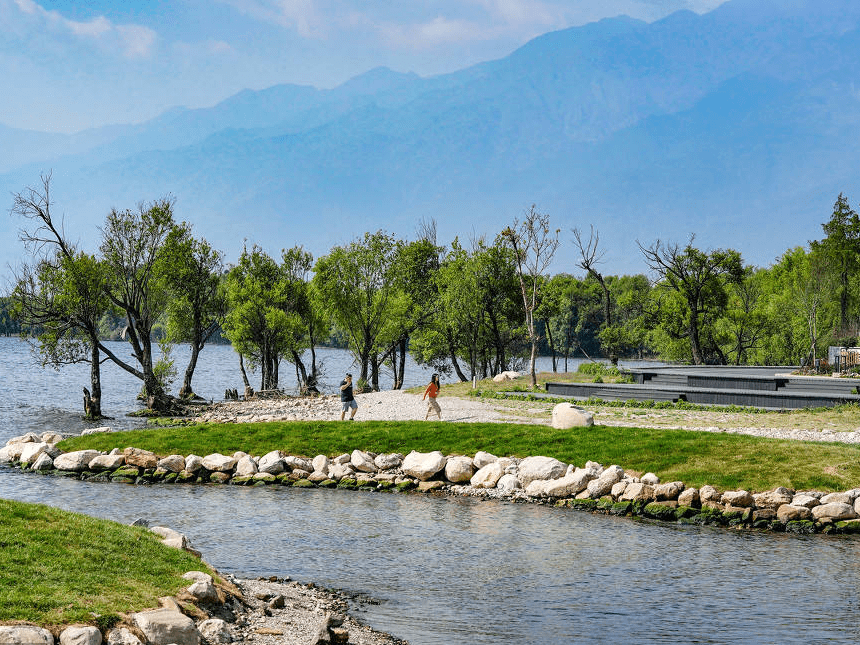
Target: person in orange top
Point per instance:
(432, 391)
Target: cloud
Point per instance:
(134, 41)
(301, 15)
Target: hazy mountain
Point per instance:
(740, 125)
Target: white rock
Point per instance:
(389, 461)
(708, 493)
(651, 479)
(737, 498)
(11, 452)
(537, 488)
(264, 477)
(618, 489)
(791, 513)
(204, 591)
(197, 576)
(30, 437)
(81, 636)
(668, 491)
(31, 450)
(170, 537)
(509, 375)
(215, 630)
(532, 468)
(482, 459)
(637, 491)
(339, 471)
(51, 437)
(342, 459)
(423, 465)
(320, 463)
(166, 626)
(459, 469)
(172, 463)
(75, 461)
(773, 499)
(25, 635)
(603, 484)
(218, 463)
(122, 636)
(272, 462)
(43, 462)
(508, 483)
(569, 485)
(297, 463)
(106, 462)
(834, 511)
(488, 476)
(100, 430)
(567, 415)
(689, 497)
(246, 467)
(844, 498)
(362, 461)
(193, 463)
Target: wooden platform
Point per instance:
(761, 387)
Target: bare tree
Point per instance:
(590, 257)
(534, 245)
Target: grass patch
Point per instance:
(721, 459)
(58, 567)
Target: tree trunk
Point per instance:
(93, 402)
(186, 391)
(244, 374)
(454, 362)
(551, 346)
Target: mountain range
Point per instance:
(739, 126)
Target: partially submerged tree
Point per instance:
(62, 296)
(534, 245)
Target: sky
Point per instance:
(67, 65)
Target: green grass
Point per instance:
(723, 460)
(58, 568)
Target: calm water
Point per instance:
(450, 571)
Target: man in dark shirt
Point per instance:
(346, 398)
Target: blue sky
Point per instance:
(68, 65)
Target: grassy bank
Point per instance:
(727, 461)
(58, 567)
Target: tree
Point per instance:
(840, 251)
(590, 257)
(534, 245)
(132, 247)
(62, 296)
(698, 277)
(192, 269)
(358, 284)
(745, 322)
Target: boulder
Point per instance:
(637, 492)
(320, 463)
(75, 461)
(708, 493)
(265, 477)
(567, 415)
(51, 437)
(197, 576)
(423, 465)
(170, 537)
(215, 630)
(668, 491)
(218, 463)
(30, 437)
(508, 483)
(844, 498)
(31, 450)
(569, 485)
(272, 462)
(689, 497)
(246, 467)
(43, 462)
(533, 468)
(482, 459)
(172, 463)
(86, 635)
(488, 476)
(297, 463)
(140, 458)
(605, 481)
(389, 461)
(165, 626)
(193, 463)
(802, 499)
(99, 430)
(362, 461)
(316, 477)
(122, 636)
(459, 469)
(773, 498)
(343, 459)
(204, 591)
(618, 488)
(106, 462)
(791, 513)
(509, 375)
(834, 511)
(737, 498)
(650, 478)
(11, 452)
(25, 635)
(339, 471)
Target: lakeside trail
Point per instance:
(399, 405)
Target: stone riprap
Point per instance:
(537, 479)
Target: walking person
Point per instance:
(346, 398)
(432, 392)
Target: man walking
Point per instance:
(346, 398)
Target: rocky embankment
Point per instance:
(221, 610)
(539, 479)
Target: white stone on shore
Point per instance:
(482, 459)
(389, 461)
(297, 463)
(100, 430)
(218, 463)
(708, 493)
(172, 463)
(737, 498)
(532, 468)
(844, 498)
(834, 511)
(459, 469)
(264, 477)
(508, 483)
(43, 462)
(272, 462)
(803, 499)
(106, 462)
(170, 537)
(30, 437)
(362, 461)
(31, 450)
(339, 471)
(122, 636)
(791, 513)
(650, 478)
(51, 437)
(75, 461)
(567, 415)
(245, 467)
(25, 635)
(81, 635)
(668, 491)
(773, 499)
(215, 630)
(689, 497)
(618, 489)
(193, 463)
(11, 452)
(166, 626)
(637, 492)
(605, 481)
(488, 476)
(342, 459)
(568, 486)
(203, 591)
(197, 576)
(320, 463)
(423, 465)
